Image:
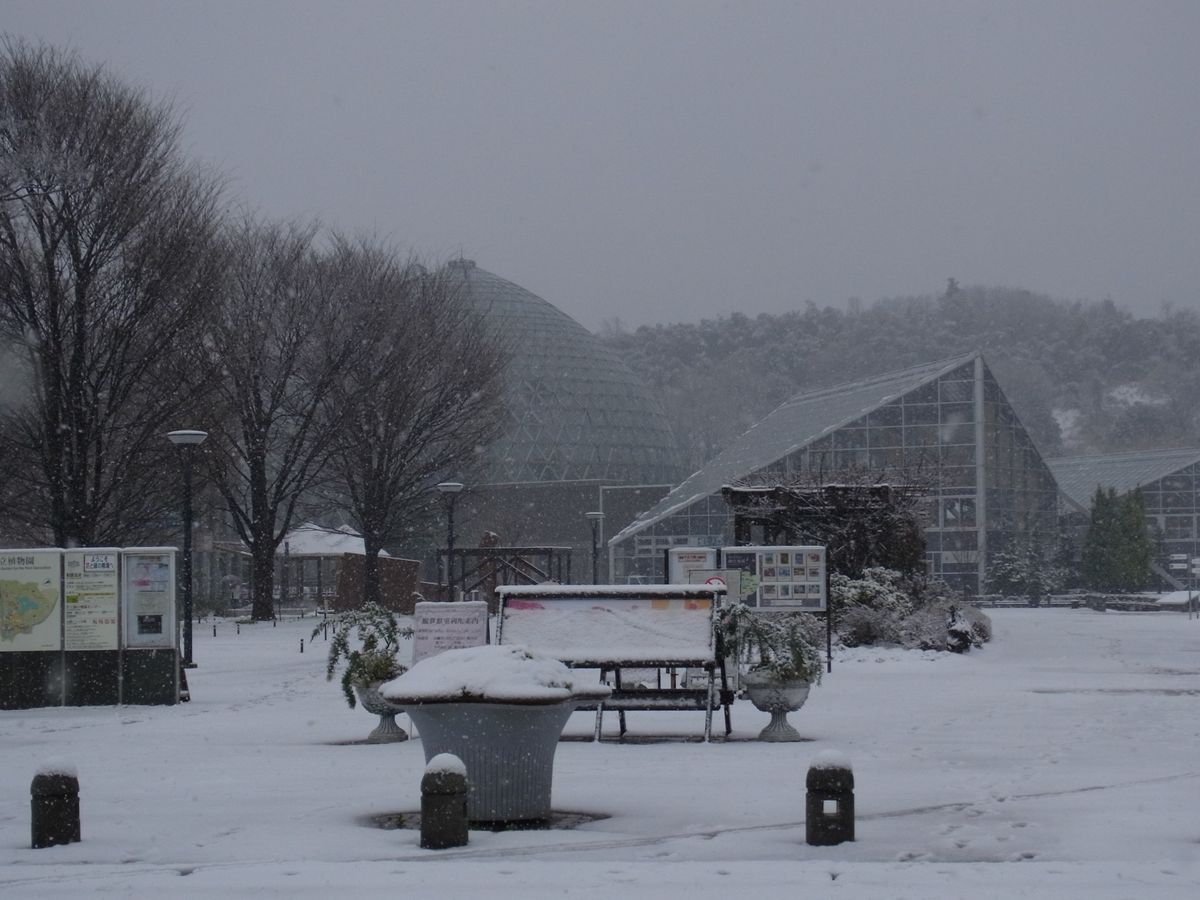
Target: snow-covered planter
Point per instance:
(499, 709)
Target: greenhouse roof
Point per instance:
(789, 427)
(576, 411)
(1079, 476)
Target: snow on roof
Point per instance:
(1079, 476)
(490, 673)
(608, 590)
(313, 540)
(790, 426)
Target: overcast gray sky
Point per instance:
(672, 161)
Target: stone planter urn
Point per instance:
(777, 698)
(501, 711)
(387, 731)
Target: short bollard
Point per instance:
(54, 806)
(829, 811)
(444, 803)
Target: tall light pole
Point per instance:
(450, 490)
(187, 440)
(596, 518)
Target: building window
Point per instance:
(1178, 528)
(958, 512)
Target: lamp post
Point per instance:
(596, 518)
(450, 490)
(186, 440)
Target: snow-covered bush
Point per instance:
(916, 611)
(879, 589)
(861, 626)
(932, 626)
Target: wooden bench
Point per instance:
(667, 628)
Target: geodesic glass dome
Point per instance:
(576, 411)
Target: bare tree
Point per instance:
(107, 268)
(422, 403)
(279, 343)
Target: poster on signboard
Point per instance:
(747, 563)
(448, 626)
(30, 600)
(149, 597)
(90, 596)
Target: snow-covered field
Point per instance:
(1062, 761)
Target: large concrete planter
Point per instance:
(500, 710)
(508, 749)
(777, 698)
(387, 731)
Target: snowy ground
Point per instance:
(1062, 761)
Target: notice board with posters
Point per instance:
(88, 626)
(789, 577)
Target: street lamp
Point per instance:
(596, 518)
(450, 490)
(186, 440)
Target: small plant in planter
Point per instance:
(784, 662)
(780, 646)
(374, 661)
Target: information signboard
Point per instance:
(790, 577)
(148, 576)
(30, 600)
(90, 593)
(448, 626)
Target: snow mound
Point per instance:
(488, 673)
(831, 759)
(446, 762)
(54, 765)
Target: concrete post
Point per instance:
(444, 803)
(54, 807)
(829, 810)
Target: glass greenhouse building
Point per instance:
(948, 421)
(1169, 481)
(575, 410)
(584, 433)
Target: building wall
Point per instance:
(1172, 507)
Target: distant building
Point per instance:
(1169, 481)
(948, 420)
(584, 432)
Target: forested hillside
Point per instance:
(1086, 377)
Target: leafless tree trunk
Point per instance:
(107, 267)
(420, 406)
(280, 343)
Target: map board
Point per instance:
(30, 600)
(90, 598)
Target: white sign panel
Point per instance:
(90, 596)
(682, 560)
(30, 600)
(717, 578)
(448, 626)
(149, 597)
